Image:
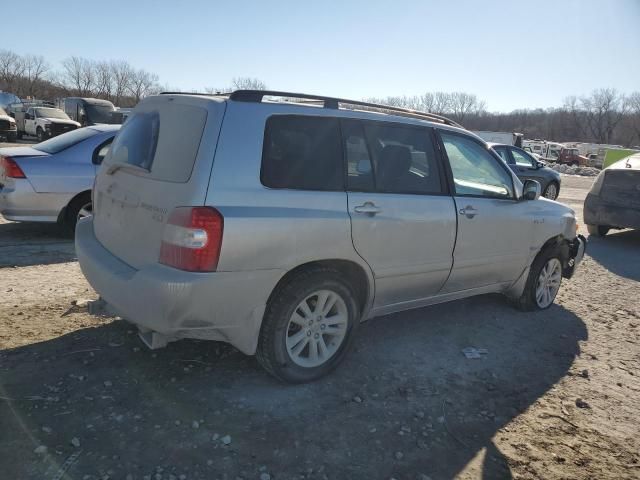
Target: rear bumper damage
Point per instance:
(168, 304)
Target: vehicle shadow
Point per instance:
(30, 243)
(618, 252)
(405, 403)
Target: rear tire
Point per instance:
(598, 230)
(543, 282)
(79, 207)
(314, 315)
(552, 191)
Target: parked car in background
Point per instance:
(43, 122)
(89, 111)
(51, 181)
(7, 98)
(8, 130)
(571, 156)
(278, 226)
(507, 138)
(614, 198)
(527, 167)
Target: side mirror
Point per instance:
(540, 165)
(531, 190)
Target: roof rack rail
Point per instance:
(334, 103)
(219, 94)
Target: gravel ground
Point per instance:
(556, 395)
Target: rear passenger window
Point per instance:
(404, 160)
(359, 167)
(302, 153)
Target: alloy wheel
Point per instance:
(551, 192)
(85, 211)
(317, 328)
(548, 283)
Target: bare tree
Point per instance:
(35, 67)
(11, 69)
(248, 83)
(79, 75)
(142, 83)
(104, 81)
(464, 104)
(604, 109)
(122, 74)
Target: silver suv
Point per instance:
(278, 221)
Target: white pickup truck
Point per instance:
(44, 122)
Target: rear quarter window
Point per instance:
(161, 138)
(302, 153)
(137, 141)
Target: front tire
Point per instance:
(543, 282)
(598, 230)
(309, 326)
(552, 191)
(40, 134)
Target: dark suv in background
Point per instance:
(528, 168)
(89, 111)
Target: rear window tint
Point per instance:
(162, 137)
(137, 140)
(303, 153)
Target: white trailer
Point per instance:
(507, 138)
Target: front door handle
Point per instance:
(368, 208)
(468, 211)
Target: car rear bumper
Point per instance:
(20, 202)
(226, 306)
(599, 212)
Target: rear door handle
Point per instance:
(468, 211)
(368, 208)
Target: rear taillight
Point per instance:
(192, 239)
(11, 168)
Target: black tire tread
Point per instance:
(73, 208)
(526, 301)
(280, 300)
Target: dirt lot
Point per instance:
(556, 395)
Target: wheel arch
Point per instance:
(355, 274)
(63, 213)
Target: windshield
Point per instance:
(99, 113)
(66, 140)
(51, 113)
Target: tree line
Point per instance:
(114, 80)
(604, 116)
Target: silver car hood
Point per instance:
(22, 152)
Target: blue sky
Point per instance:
(512, 54)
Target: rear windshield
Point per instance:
(162, 138)
(66, 140)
